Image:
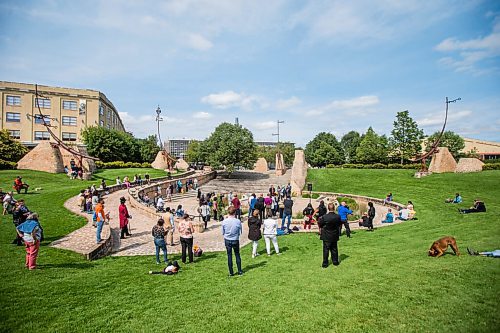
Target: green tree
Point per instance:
(349, 143)
(10, 149)
(195, 152)
(232, 146)
(324, 149)
(450, 139)
(406, 137)
(372, 148)
(111, 145)
(148, 148)
(269, 153)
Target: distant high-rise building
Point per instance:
(177, 147)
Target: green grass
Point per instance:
(386, 281)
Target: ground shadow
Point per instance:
(129, 247)
(343, 257)
(206, 256)
(83, 265)
(253, 266)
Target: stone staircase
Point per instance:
(246, 182)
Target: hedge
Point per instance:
(121, 165)
(491, 166)
(7, 165)
(375, 166)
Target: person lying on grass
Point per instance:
(478, 207)
(171, 269)
(494, 254)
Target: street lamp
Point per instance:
(158, 119)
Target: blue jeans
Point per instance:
(289, 216)
(160, 244)
(230, 246)
(98, 231)
(250, 211)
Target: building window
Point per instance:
(39, 119)
(69, 121)
(101, 109)
(15, 134)
(68, 136)
(70, 105)
(101, 123)
(14, 100)
(13, 117)
(109, 114)
(44, 103)
(39, 136)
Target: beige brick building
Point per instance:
(67, 110)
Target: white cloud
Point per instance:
(230, 99)
(471, 53)
(198, 42)
(314, 112)
(265, 125)
(288, 103)
(358, 102)
(202, 115)
(437, 119)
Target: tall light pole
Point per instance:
(158, 119)
(278, 134)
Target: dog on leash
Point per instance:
(441, 245)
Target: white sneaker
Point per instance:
(253, 256)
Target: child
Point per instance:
(171, 269)
(389, 217)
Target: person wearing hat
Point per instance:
(124, 216)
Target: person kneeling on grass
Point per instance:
(171, 269)
(389, 217)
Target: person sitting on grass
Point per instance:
(494, 254)
(411, 211)
(403, 214)
(457, 199)
(478, 207)
(389, 217)
(19, 185)
(388, 198)
(171, 269)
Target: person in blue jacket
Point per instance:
(343, 211)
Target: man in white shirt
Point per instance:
(270, 232)
(159, 204)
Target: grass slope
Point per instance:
(384, 283)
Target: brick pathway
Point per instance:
(141, 242)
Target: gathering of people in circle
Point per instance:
(263, 216)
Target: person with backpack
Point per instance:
(31, 233)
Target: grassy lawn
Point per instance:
(386, 281)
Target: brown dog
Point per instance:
(441, 245)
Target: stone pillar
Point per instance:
(44, 157)
(442, 161)
(280, 165)
(299, 172)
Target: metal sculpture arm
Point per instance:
(59, 141)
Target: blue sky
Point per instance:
(332, 66)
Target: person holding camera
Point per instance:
(343, 211)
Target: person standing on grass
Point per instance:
(270, 234)
(343, 211)
(205, 213)
(231, 230)
(186, 238)
(254, 233)
(287, 213)
(158, 233)
(19, 215)
(371, 216)
(124, 216)
(100, 219)
(237, 205)
(31, 233)
(330, 225)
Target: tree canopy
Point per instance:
(372, 148)
(450, 139)
(324, 149)
(406, 137)
(10, 149)
(349, 143)
(232, 146)
(269, 153)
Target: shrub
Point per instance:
(7, 165)
(379, 166)
(353, 205)
(491, 166)
(121, 165)
(492, 161)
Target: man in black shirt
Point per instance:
(329, 225)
